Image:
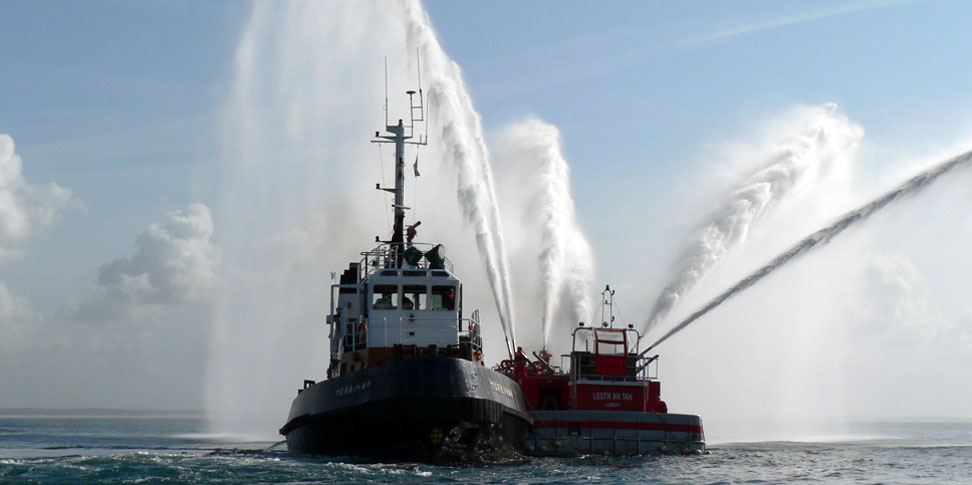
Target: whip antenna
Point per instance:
(386, 90)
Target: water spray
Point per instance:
(464, 145)
(812, 144)
(912, 186)
(538, 197)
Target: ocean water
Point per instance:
(147, 449)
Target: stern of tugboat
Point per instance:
(436, 409)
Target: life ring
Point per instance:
(362, 332)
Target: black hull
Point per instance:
(436, 410)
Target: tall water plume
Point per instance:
(297, 198)
(285, 126)
(462, 142)
(536, 195)
(809, 144)
(910, 187)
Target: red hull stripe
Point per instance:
(679, 428)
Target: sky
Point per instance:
(111, 274)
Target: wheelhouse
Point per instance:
(603, 371)
(396, 304)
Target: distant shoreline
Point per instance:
(45, 413)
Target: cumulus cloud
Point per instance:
(152, 310)
(174, 262)
(25, 209)
(898, 304)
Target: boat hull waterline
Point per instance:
(568, 433)
(433, 409)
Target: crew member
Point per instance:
(410, 232)
(384, 303)
(545, 356)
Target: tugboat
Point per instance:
(607, 401)
(406, 378)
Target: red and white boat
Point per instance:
(606, 399)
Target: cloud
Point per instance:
(898, 303)
(25, 209)
(175, 262)
(153, 310)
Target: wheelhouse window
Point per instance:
(444, 298)
(384, 297)
(416, 297)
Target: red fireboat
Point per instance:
(605, 400)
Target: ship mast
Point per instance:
(607, 303)
(401, 134)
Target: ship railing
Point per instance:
(591, 344)
(583, 366)
(645, 370)
(471, 334)
(592, 339)
(355, 335)
(391, 255)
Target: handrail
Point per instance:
(385, 256)
(646, 363)
(475, 337)
(349, 333)
(638, 370)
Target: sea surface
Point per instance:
(132, 448)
